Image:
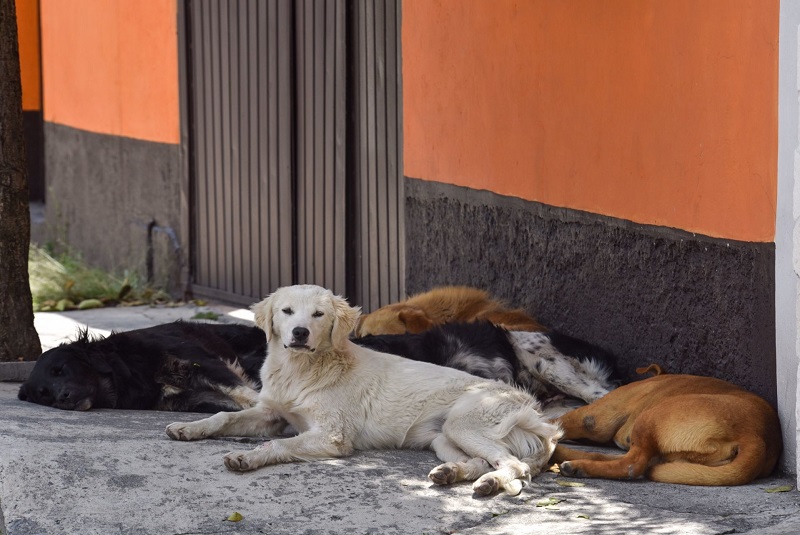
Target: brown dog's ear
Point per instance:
(415, 320)
(357, 328)
(345, 318)
(263, 315)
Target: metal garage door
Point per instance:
(294, 140)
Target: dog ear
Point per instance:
(263, 315)
(415, 320)
(357, 328)
(345, 318)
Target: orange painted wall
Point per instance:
(111, 66)
(28, 33)
(659, 112)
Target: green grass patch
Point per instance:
(206, 316)
(64, 282)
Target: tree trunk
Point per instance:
(18, 337)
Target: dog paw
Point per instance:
(237, 462)
(487, 485)
(515, 486)
(182, 431)
(444, 474)
(570, 470)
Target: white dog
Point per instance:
(342, 397)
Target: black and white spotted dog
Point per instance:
(550, 365)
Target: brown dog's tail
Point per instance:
(752, 460)
(655, 369)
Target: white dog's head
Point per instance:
(306, 318)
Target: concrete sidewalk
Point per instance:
(106, 471)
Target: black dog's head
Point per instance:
(66, 377)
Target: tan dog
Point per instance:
(677, 429)
(442, 305)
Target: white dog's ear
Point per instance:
(344, 321)
(263, 315)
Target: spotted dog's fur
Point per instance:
(546, 364)
(342, 397)
(555, 363)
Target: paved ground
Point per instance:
(108, 472)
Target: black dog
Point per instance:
(547, 364)
(180, 366)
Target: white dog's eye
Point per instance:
(317, 314)
(288, 311)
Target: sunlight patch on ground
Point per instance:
(242, 314)
(52, 327)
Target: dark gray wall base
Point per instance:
(117, 201)
(693, 304)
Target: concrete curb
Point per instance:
(16, 371)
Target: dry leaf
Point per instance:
(784, 488)
(569, 483)
(547, 502)
(86, 304)
(235, 517)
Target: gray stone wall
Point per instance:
(691, 303)
(117, 201)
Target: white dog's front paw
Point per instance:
(444, 474)
(240, 461)
(185, 431)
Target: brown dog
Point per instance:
(677, 429)
(442, 305)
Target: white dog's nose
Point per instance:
(300, 335)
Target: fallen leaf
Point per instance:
(89, 303)
(235, 517)
(64, 304)
(500, 513)
(569, 483)
(585, 517)
(784, 488)
(547, 502)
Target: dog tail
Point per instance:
(530, 437)
(655, 369)
(753, 459)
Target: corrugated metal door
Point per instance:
(378, 193)
(294, 137)
(240, 99)
(321, 107)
